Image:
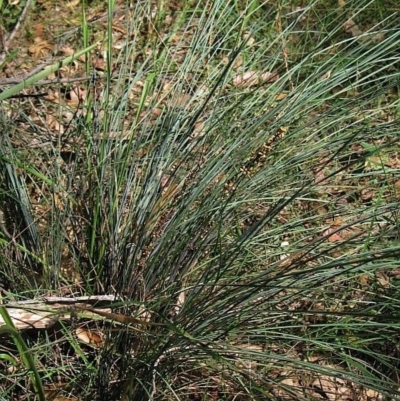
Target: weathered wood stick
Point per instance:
(44, 313)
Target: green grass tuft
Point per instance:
(254, 225)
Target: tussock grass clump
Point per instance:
(235, 187)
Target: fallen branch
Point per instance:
(44, 313)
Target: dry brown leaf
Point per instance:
(39, 48)
(373, 163)
(58, 202)
(91, 337)
(76, 96)
(164, 181)
(335, 238)
(238, 62)
(52, 96)
(100, 64)
(367, 194)
(179, 303)
(73, 3)
(156, 111)
(144, 314)
(378, 37)
(372, 395)
(327, 75)
(382, 279)
(54, 125)
(38, 30)
(68, 51)
(351, 27)
(250, 78)
(364, 280)
(180, 100)
(280, 96)
(284, 245)
(137, 90)
(333, 235)
(119, 29)
(199, 129)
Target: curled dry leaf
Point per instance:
(179, 303)
(199, 129)
(38, 30)
(374, 163)
(238, 62)
(91, 337)
(250, 78)
(52, 96)
(180, 100)
(40, 48)
(68, 51)
(332, 234)
(327, 75)
(54, 124)
(144, 314)
(281, 96)
(76, 96)
(73, 3)
(352, 28)
(136, 90)
(156, 111)
(383, 279)
(100, 63)
(284, 245)
(164, 181)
